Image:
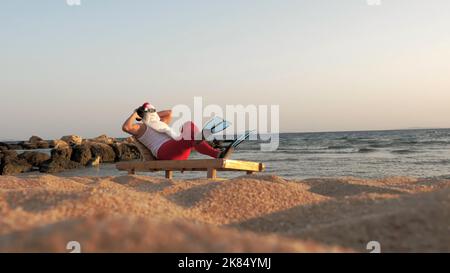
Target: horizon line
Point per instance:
(310, 132)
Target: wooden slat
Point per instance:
(191, 165)
(243, 165)
(172, 164)
(209, 165)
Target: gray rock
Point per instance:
(65, 152)
(126, 151)
(81, 153)
(35, 139)
(58, 144)
(58, 165)
(15, 147)
(72, 139)
(34, 158)
(43, 145)
(29, 146)
(104, 151)
(103, 139)
(59, 161)
(35, 142)
(13, 166)
(4, 146)
(7, 155)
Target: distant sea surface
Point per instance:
(365, 154)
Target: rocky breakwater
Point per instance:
(69, 152)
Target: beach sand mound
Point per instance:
(260, 213)
(100, 234)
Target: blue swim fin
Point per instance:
(241, 138)
(228, 151)
(215, 125)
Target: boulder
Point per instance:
(52, 143)
(55, 165)
(104, 151)
(58, 144)
(62, 152)
(59, 161)
(4, 146)
(103, 139)
(36, 142)
(14, 166)
(34, 158)
(17, 146)
(126, 151)
(43, 144)
(29, 146)
(35, 139)
(81, 153)
(72, 139)
(10, 164)
(129, 140)
(7, 155)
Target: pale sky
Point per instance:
(331, 65)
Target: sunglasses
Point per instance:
(141, 112)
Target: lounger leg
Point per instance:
(169, 174)
(212, 173)
(132, 171)
(250, 172)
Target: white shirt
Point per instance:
(153, 140)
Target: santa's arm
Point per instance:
(165, 116)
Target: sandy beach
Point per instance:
(263, 213)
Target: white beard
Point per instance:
(153, 121)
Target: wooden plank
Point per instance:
(172, 164)
(191, 165)
(243, 165)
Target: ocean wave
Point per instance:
(408, 142)
(301, 152)
(404, 151)
(433, 162)
(381, 145)
(339, 147)
(291, 159)
(434, 142)
(366, 150)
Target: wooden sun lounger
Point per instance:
(211, 166)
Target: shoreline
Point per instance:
(262, 213)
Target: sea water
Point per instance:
(364, 154)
